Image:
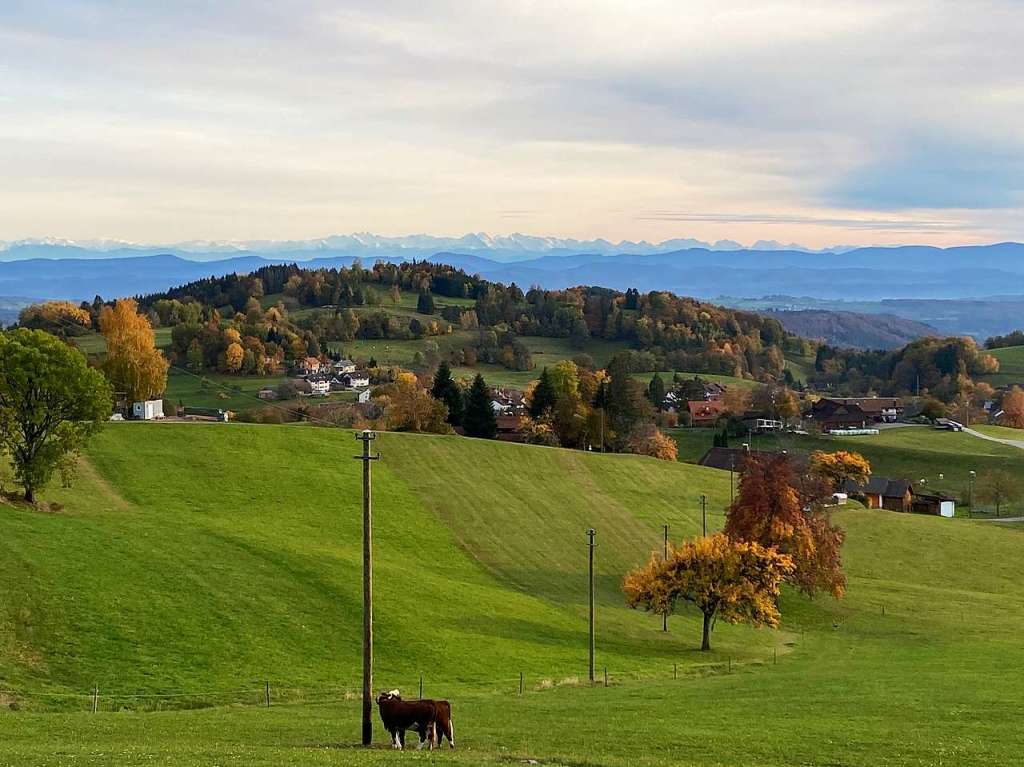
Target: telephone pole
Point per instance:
(704, 513)
(590, 534)
(664, 558)
(366, 436)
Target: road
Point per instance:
(1018, 443)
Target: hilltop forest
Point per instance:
(265, 321)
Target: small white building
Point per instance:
(363, 396)
(344, 366)
(148, 410)
(320, 386)
(356, 380)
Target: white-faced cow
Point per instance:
(431, 719)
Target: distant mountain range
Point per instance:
(513, 247)
(875, 280)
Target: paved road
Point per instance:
(1018, 443)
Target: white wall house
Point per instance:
(319, 387)
(148, 410)
(356, 380)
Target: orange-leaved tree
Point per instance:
(769, 510)
(133, 363)
(408, 406)
(1013, 408)
(736, 581)
(840, 466)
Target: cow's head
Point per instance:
(386, 696)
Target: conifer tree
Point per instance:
(544, 395)
(479, 419)
(447, 391)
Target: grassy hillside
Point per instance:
(213, 557)
(1011, 366)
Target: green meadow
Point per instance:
(192, 564)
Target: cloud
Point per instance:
(247, 119)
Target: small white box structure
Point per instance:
(839, 499)
(364, 395)
(148, 410)
(947, 508)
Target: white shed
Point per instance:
(148, 410)
(947, 508)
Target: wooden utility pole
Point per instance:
(366, 436)
(590, 534)
(704, 513)
(664, 558)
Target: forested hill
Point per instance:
(317, 306)
(862, 331)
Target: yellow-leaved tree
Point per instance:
(835, 468)
(408, 406)
(736, 581)
(133, 363)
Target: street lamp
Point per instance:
(971, 476)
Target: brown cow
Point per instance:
(400, 715)
(431, 719)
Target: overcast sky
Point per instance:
(821, 123)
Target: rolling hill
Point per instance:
(863, 331)
(202, 560)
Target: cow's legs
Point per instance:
(394, 739)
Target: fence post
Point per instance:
(267, 692)
(730, 664)
(605, 676)
(675, 670)
(520, 682)
(95, 698)
(421, 686)
(775, 656)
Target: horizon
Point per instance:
(749, 121)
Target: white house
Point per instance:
(356, 380)
(363, 396)
(319, 386)
(148, 410)
(344, 366)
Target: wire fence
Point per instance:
(269, 694)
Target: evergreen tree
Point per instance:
(447, 391)
(479, 419)
(656, 391)
(544, 395)
(425, 303)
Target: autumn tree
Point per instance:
(769, 510)
(737, 581)
(840, 466)
(736, 400)
(1013, 408)
(61, 318)
(479, 419)
(933, 409)
(647, 439)
(998, 488)
(409, 407)
(51, 402)
(133, 363)
(446, 390)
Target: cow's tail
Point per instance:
(451, 733)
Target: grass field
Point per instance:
(1011, 366)
(214, 557)
(667, 376)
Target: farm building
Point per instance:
(854, 412)
(148, 410)
(882, 493)
(705, 412)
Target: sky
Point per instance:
(822, 123)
